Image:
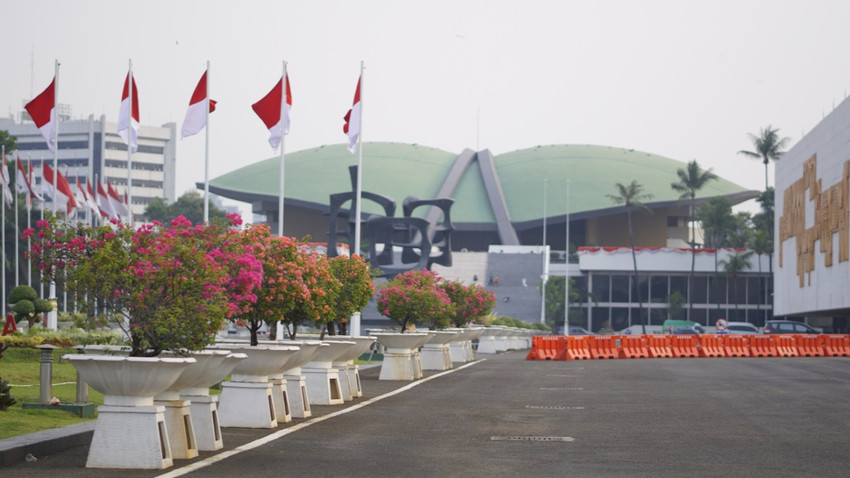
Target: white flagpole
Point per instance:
(52, 316)
(355, 318)
(359, 171)
(129, 147)
(17, 234)
(543, 277)
(207, 148)
(282, 150)
(3, 238)
(29, 222)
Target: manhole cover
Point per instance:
(521, 438)
(562, 388)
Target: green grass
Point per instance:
(20, 367)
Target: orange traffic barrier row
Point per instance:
(633, 346)
(711, 346)
(585, 347)
(603, 346)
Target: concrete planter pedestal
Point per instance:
(130, 432)
(435, 354)
(323, 381)
(401, 355)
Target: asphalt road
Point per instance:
(505, 417)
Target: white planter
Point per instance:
(401, 359)
(349, 371)
(246, 400)
(323, 381)
(435, 354)
(130, 432)
(190, 396)
(296, 385)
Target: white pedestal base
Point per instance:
(345, 385)
(398, 364)
(130, 437)
(247, 405)
(204, 412)
(458, 352)
(296, 388)
(487, 345)
(323, 385)
(436, 357)
(280, 398)
(353, 371)
(181, 432)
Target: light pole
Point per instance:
(544, 277)
(567, 268)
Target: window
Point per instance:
(620, 288)
(659, 289)
(601, 287)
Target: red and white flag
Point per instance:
(196, 116)
(352, 121)
(104, 204)
(128, 128)
(62, 194)
(43, 112)
(4, 180)
(117, 205)
(22, 184)
(83, 199)
(91, 200)
(268, 109)
(30, 184)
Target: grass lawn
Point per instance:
(20, 367)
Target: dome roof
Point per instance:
(399, 170)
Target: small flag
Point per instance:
(128, 128)
(43, 113)
(104, 204)
(116, 204)
(268, 109)
(352, 121)
(62, 194)
(196, 117)
(4, 180)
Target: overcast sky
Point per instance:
(683, 79)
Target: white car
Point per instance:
(745, 328)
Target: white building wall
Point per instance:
(824, 289)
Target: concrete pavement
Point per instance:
(505, 416)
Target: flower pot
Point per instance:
(401, 360)
(323, 381)
(435, 354)
(130, 432)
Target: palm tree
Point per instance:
(692, 179)
(631, 196)
(732, 268)
(767, 146)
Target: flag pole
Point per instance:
(3, 239)
(52, 316)
(207, 148)
(130, 146)
(359, 171)
(17, 234)
(29, 220)
(355, 318)
(282, 150)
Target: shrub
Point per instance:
(6, 399)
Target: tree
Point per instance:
(732, 268)
(631, 197)
(768, 145)
(190, 205)
(691, 180)
(9, 142)
(555, 301)
(356, 289)
(761, 244)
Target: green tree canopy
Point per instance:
(768, 145)
(189, 205)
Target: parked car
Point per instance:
(789, 327)
(575, 330)
(745, 328)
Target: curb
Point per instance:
(14, 450)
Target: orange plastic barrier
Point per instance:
(737, 345)
(577, 347)
(809, 345)
(603, 346)
(684, 345)
(763, 346)
(836, 345)
(659, 346)
(711, 346)
(786, 345)
(633, 346)
(546, 348)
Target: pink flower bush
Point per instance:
(471, 303)
(415, 297)
(174, 286)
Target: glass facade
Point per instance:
(612, 301)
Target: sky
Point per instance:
(682, 79)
